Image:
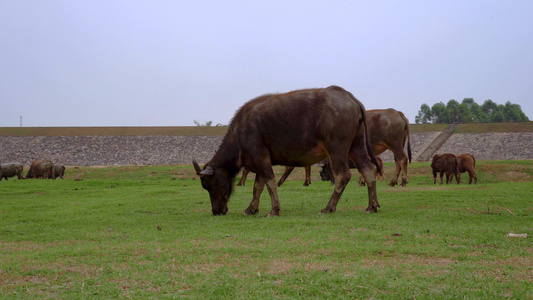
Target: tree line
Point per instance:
(206, 124)
(468, 111)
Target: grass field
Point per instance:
(147, 232)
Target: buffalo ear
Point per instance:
(208, 171)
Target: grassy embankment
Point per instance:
(147, 231)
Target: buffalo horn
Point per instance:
(196, 166)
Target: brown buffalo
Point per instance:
(387, 129)
(59, 172)
(11, 170)
(41, 169)
(445, 163)
(467, 163)
(298, 128)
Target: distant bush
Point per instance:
(468, 111)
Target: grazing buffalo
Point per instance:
(11, 170)
(445, 163)
(387, 129)
(467, 163)
(286, 173)
(59, 171)
(41, 169)
(298, 128)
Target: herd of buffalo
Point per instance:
(39, 169)
(301, 128)
(328, 126)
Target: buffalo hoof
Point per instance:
(327, 211)
(250, 211)
(371, 209)
(240, 184)
(307, 183)
(393, 183)
(273, 213)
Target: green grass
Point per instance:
(147, 232)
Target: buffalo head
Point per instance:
(219, 185)
(326, 174)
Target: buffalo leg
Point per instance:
(368, 170)
(394, 180)
(401, 161)
(361, 180)
(341, 175)
(243, 177)
(273, 191)
(307, 181)
(259, 185)
(288, 171)
(472, 175)
(360, 156)
(441, 176)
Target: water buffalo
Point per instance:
(11, 170)
(467, 163)
(41, 169)
(387, 129)
(59, 171)
(445, 163)
(298, 128)
(286, 173)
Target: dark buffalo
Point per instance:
(286, 173)
(59, 171)
(387, 129)
(41, 169)
(467, 163)
(445, 163)
(299, 128)
(11, 170)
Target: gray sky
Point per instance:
(167, 63)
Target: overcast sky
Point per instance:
(168, 63)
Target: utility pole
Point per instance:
(20, 121)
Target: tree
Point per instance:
(439, 114)
(464, 115)
(424, 115)
(208, 123)
(514, 113)
(469, 111)
(452, 107)
(488, 108)
(477, 113)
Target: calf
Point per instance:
(445, 163)
(58, 171)
(467, 163)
